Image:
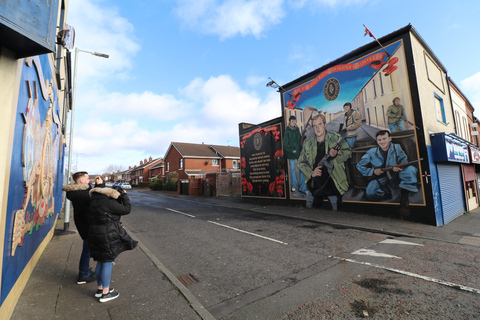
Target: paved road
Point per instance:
(253, 266)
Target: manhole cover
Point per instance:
(187, 280)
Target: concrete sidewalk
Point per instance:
(150, 291)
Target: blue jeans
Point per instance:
(351, 141)
(292, 163)
(84, 265)
(103, 273)
(399, 124)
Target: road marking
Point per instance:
(393, 241)
(373, 253)
(250, 233)
(185, 214)
(411, 274)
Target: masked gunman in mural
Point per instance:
(396, 115)
(385, 165)
(77, 193)
(292, 148)
(322, 160)
(351, 123)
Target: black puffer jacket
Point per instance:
(106, 238)
(78, 195)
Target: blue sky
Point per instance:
(192, 70)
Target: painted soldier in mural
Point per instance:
(322, 160)
(292, 147)
(352, 121)
(387, 164)
(396, 115)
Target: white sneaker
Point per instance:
(293, 189)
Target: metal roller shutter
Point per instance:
(451, 191)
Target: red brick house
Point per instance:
(141, 173)
(191, 160)
(157, 171)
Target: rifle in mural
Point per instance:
(325, 163)
(388, 169)
(405, 119)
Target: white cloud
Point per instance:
(471, 88)
(123, 128)
(298, 4)
(231, 17)
(101, 29)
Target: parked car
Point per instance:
(126, 186)
(108, 184)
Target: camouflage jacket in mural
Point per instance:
(352, 123)
(306, 161)
(393, 111)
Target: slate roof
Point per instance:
(194, 150)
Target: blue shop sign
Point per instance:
(448, 147)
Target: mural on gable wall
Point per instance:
(359, 117)
(260, 147)
(34, 193)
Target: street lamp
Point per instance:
(69, 172)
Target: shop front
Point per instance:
(451, 154)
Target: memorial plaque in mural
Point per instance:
(262, 163)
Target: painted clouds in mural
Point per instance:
(353, 134)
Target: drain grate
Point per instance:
(187, 280)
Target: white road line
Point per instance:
(373, 253)
(185, 214)
(253, 234)
(393, 241)
(411, 274)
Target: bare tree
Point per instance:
(112, 168)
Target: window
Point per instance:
(168, 166)
(181, 164)
(365, 94)
(381, 83)
(374, 89)
(236, 164)
(458, 123)
(465, 129)
(440, 109)
(214, 162)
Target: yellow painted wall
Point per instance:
(431, 80)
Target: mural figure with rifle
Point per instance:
(322, 160)
(387, 164)
(396, 116)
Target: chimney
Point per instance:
(145, 161)
(149, 159)
(141, 162)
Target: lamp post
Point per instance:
(67, 202)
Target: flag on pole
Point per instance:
(368, 32)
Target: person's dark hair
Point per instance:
(395, 99)
(347, 104)
(78, 175)
(382, 132)
(292, 118)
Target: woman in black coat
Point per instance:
(106, 236)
